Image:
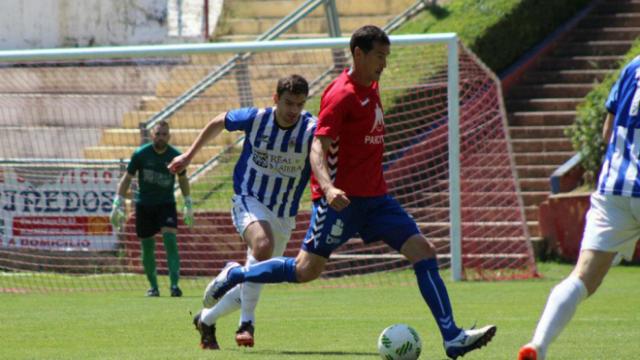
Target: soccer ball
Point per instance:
(399, 342)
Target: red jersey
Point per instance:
(351, 115)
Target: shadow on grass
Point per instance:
(314, 353)
(438, 12)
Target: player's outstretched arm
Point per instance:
(183, 180)
(607, 127)
(335, 197)
(118, 210)
(210, 131)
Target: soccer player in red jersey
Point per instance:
(350, 196)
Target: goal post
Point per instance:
(70, 119)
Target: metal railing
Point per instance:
(317, 84)
(236, 61)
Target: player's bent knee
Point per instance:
(592, 267)
(307, 274)
(309, 266)
(417, 248)
(263, 249)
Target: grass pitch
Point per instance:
(312, 322)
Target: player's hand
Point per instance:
(337, 199)
(188, 212)
(179, 163)
(118, 213)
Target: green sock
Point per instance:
(149, 260)
(173, 259)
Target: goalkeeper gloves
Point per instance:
(118, 213)
(188, 211)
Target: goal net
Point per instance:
(70, 120)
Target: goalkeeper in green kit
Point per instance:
(155, 204)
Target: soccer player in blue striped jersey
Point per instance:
(612, 226)
(268, 181)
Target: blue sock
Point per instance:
(276, 270)
(435, 294)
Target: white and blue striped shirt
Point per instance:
(274, 165)
(619, 174)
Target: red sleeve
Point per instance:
(333, 110)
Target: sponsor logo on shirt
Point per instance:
(378, 127)
(287, 166)
(378, 123)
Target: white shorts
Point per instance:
(613, 224)
(247, 209)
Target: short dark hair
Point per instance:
(366, 36)
(161, 123)
(294, 84)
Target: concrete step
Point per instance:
(213, 59)
(468, 213)
(549, 90)
(175, 88)
(488, 199)
(313, 24)
(531, 212)
(293, 57)
(494, 171)
(262, 81)
(538, 118)
(281, 8)
(581, 62)
(252, 37)
(605, 34)
(592, 48)
(441, 198)
(180, 120)
(480, 184)
(499, 248)
(60, 142)
(623, 19)
(87, 110)
(543, 104)
(534, 184)
(535, 171)
(555, 158)
(94, 80)
(193, 74)
(565, 76)
(179, 137)
(540, 145)
(484, 161)
(536, 132)
(124, 152)
(212, 105)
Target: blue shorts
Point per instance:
(373, 218)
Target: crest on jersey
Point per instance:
(378, 124)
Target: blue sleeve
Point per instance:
(612, 101)
(240, 119)
(133, 165)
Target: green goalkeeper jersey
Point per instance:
(155, 182)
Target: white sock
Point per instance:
(250, 295)
(230, 302)
(561, 306)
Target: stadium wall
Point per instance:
(29, 24)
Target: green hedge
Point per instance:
(497, 31)
(586, 132)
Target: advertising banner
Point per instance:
(57, 209)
